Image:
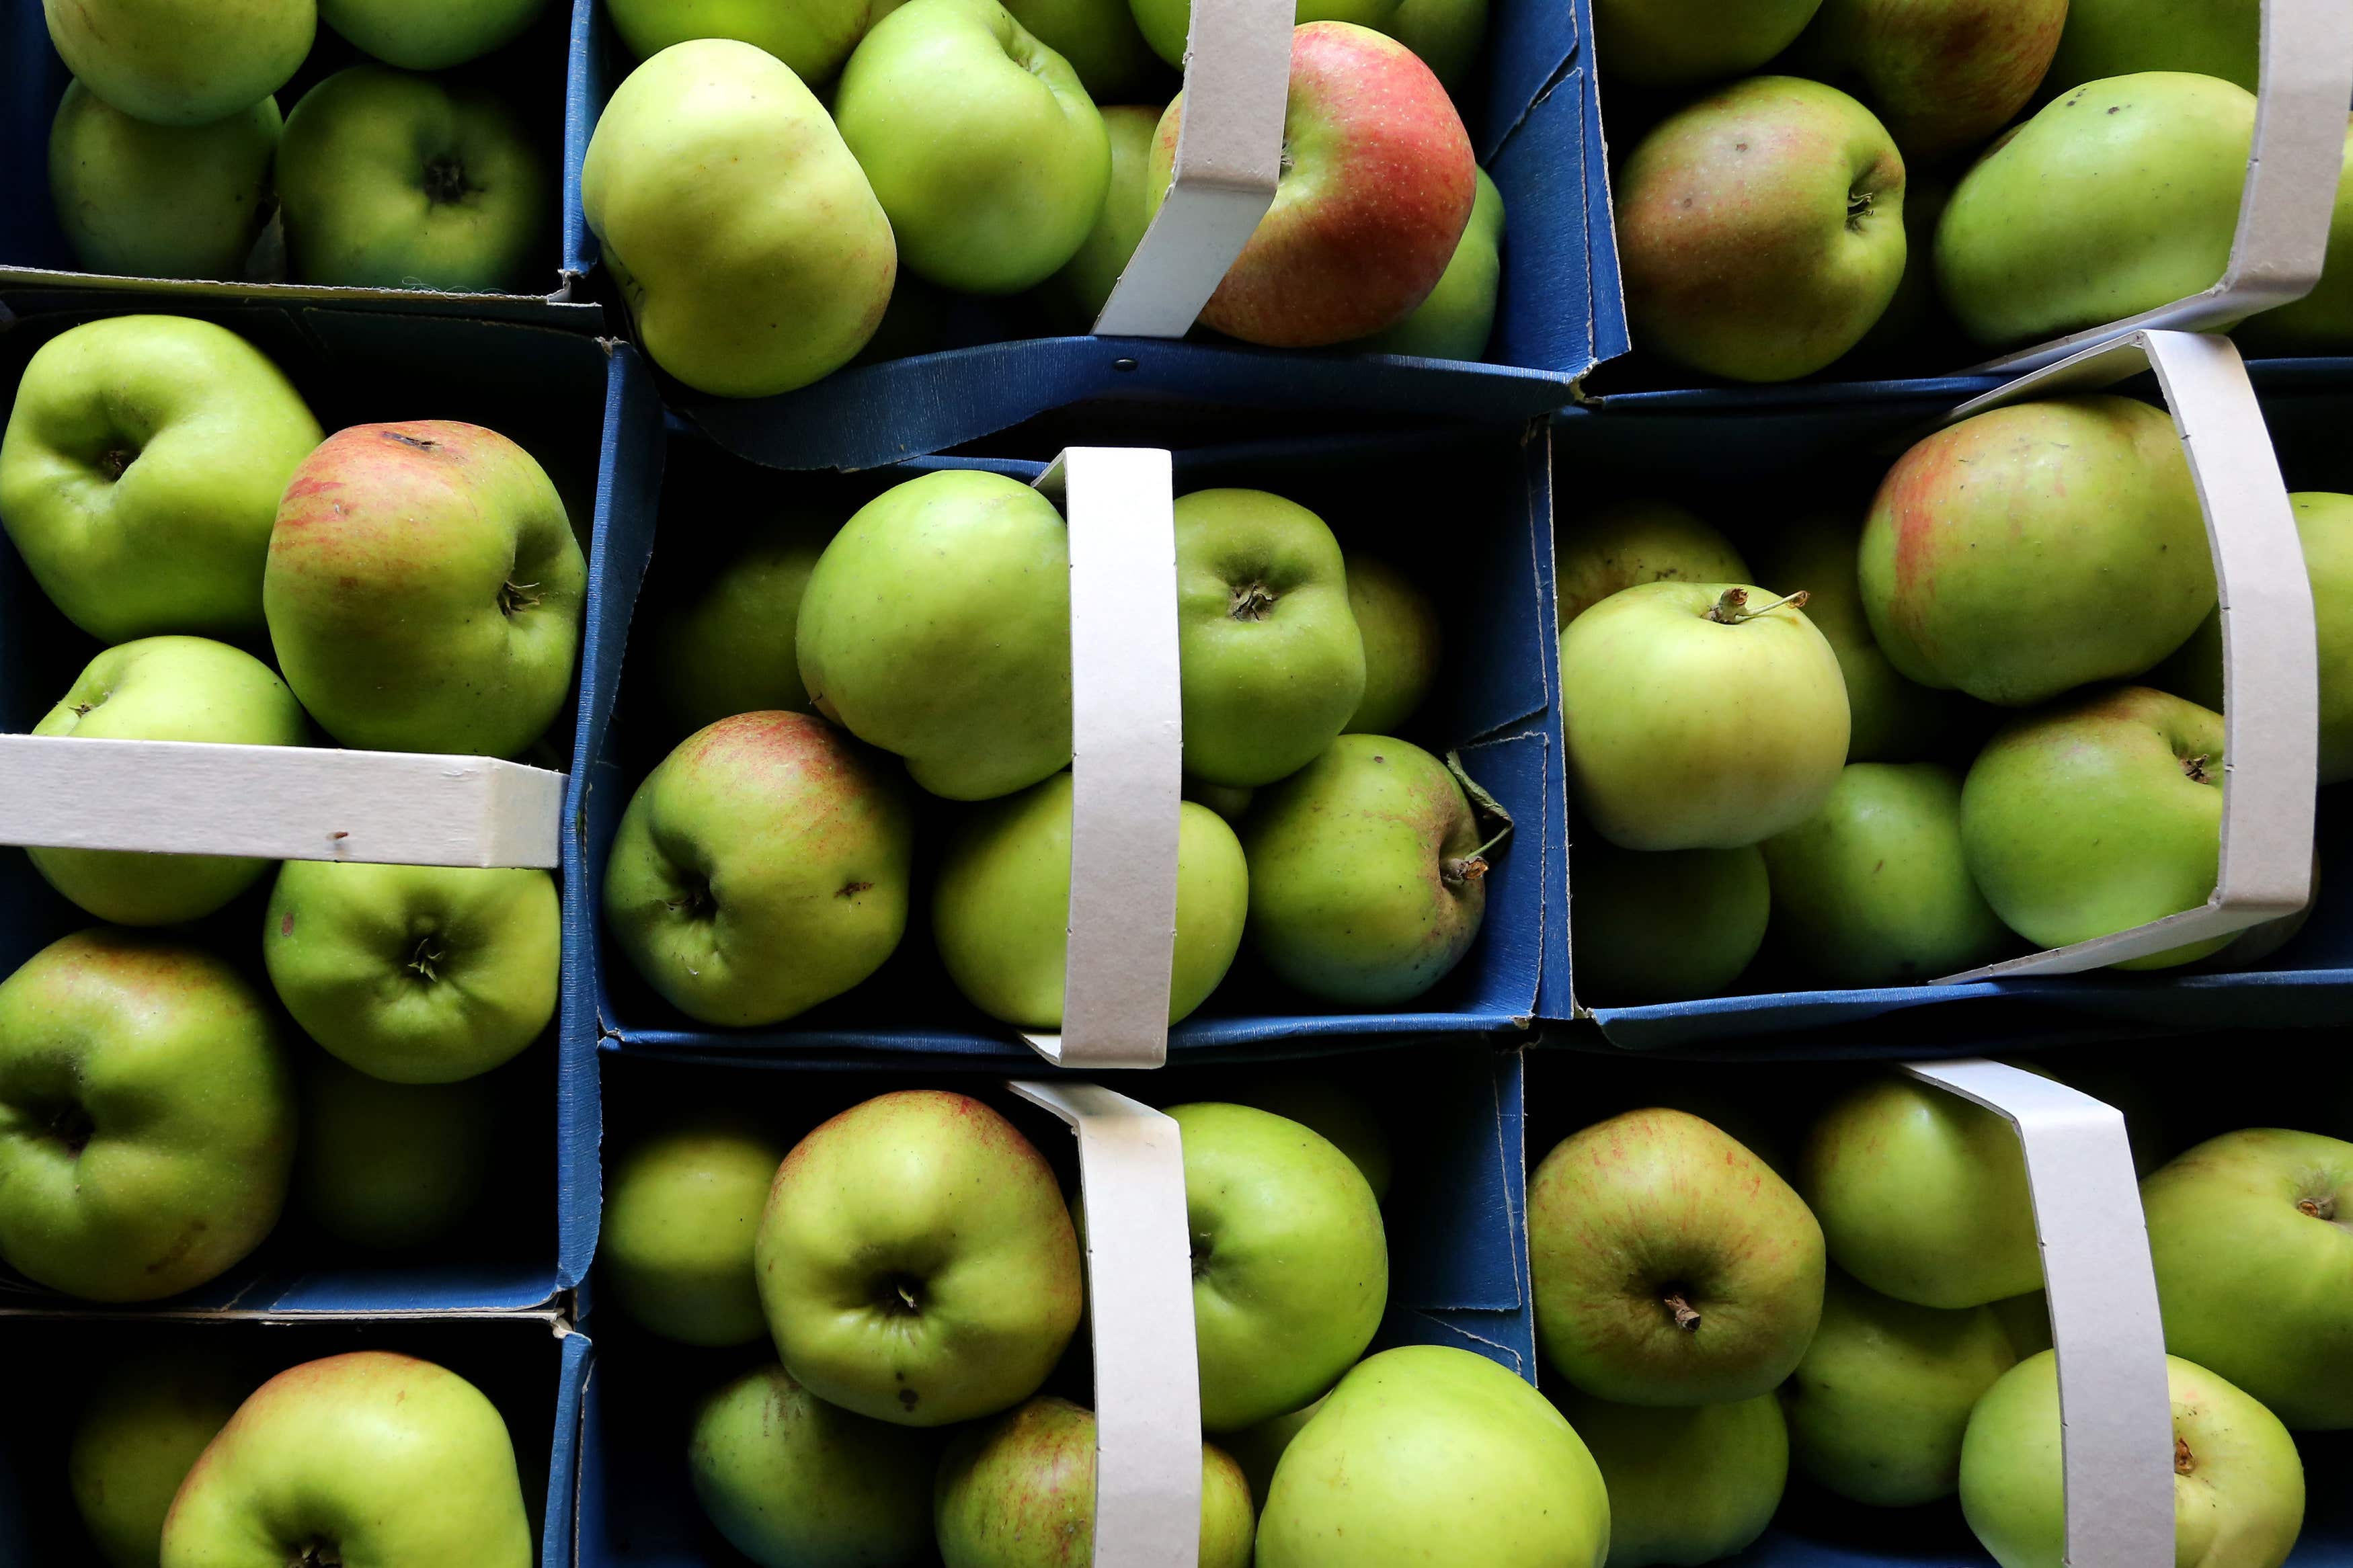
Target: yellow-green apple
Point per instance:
(1670, 1264)
(1020, 1493)
(140, 472)
(1664, 926)
(155, 201)
(682, 1208)
(760, 868)
(392, 181)
(424, 589)
(366, 1456)
(2026, 1319)
(1402, 643)
(2118, 38)
(1101, 41)
(2324, 525)
(794, 1482)
(144, 1423)
(1273, 664)
(1682, 43)
(1922, 1195)
(1459, 315)
(1760, 230)
(742, 236)
(432, 35)
(1915, 330)
(2251, 1234)
(146, 1117)
(414, 973)
(1377, 186)
(1687, 1485)
(1291, 1264)
(916, 1263)
(1665, 687)
(181, 62)
(2238, 1483)
(1630, 541)
(1001, 905)
(1943, 75)
(1259, 1449)
(1367, 875)
(1877, 1407)
(1321, 1103)
(1074, 297)
(1228, 801)
(2096, 815)
(723, 641)
(937, 624)
(944, 99)
(812, 37)
(2116, 198)
(2322, 321)
(1426, 1454)
(166, 689)
(391, 1166)
(1991, 556)
(1873, 888)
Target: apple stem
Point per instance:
(1686, 1319)
(2317, 1208)
(2194, 770)
(1731, 608)
(1252, 602)
(2184, 1462)
(1470, 866)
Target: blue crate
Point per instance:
(1455, 1219)
(570, 400)
(1493, 700)
(534, 73)
(1535, 122)
(1733, 455)
(531, 1369)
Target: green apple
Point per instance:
(1259, 1449)
(2118, 38)
(2322, 321)
(760, 868)
(143, 1425)
(432, 35)
(391, 1166)
(392, 181)
(166, 689)
(1001, 905)
(1682, 43)
(1630, 541)
(2025, 1320)
(1102, 44)
(794, 1482)
(724, 643)
(1074, 297)
(1403, 644)
(1459, 315)
(1228, 801)
(1665, 926)
(1686, 1485)
(1915, 330)
(916, 1263)
(1446, 34)
(1291, 1264)
(1167, 25)
(2251, 1237)
(741, 235)
(1665, 690)
(1991, 559)
(2098, 815)
(1425, 1454)
(1761, 265)
(414, 973)
(2238, 1483)
(812, 37)
(937, 624)
(1322, 1104)
(1272, 663)
(1020, 1493)
(146, 1117)
(1367, 875)
(947, 99)
(1670, 1264)
(181, 62)
(1874, 889)
(2324, 524)
(423, 590)
(1943, 75)
(363, 1458)
(2120, 197)
(1877, 1407)
(1892, 718)
(153, 201)
(1922, 1195)
(682, 1208)
(141, 473)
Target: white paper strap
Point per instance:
(1127, 744)
(2116, 1414)
(278, 803)
(1139, 1315)
(2271, 696)
(1228, 161)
